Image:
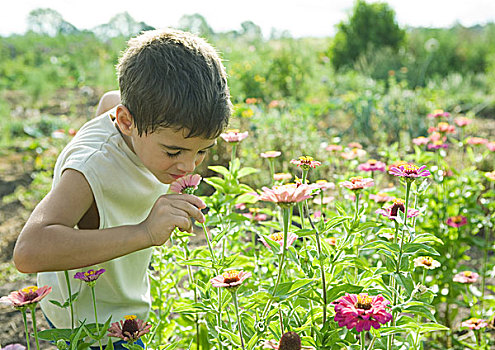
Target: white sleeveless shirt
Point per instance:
(124, 191)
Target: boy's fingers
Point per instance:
(196, 201)
(189, 209)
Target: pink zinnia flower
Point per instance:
(334, 148)
(233, 135)
(26, 296)
(231, 279)
(255, 216)
(129, 330)
(420, 140)
(392, 211)
(466, 277)
(438, 113)
(381, 197)
(462, 121)
(89, 276)
(476, 140)
(353, 153)
(436, 136)
(282, 176)
(361, 311)
(288, 194)
(426, 262)
(305, 162)
(270, 154)
(474, 323)
(357, 183)
(490, 175)
(372, 165)
(437, 145)
(186, 184)
(446, 128)
(355, 145)
(324, 185)
(457, 221)
(409, 171)
(331, 241)
(278, 237)
(491, 146)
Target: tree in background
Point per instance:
(371, 27)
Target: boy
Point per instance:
(111, 179)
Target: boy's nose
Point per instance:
(186, 166)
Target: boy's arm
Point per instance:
(49, 241)
(109, 100)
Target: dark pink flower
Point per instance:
(357, 183)
(438, 113)
(372, 165)
(474, 323)
(186, 184)
(420, 140)
(255, 216)
(270, 154)
(437, 145)
(409, 171)
(129, 330)
(457, 221)
(231, 279)
(89, 276)
(233, 135)
(278, 237)
(26, 296)
(392, 211)
(305, 162)
(446, 128)
(466, 277)
(491, 146)
(288, 194)
(361, 311)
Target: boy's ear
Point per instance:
(124, 120)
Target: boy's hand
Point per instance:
(171, 211)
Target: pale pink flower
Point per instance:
(255, 216)
(438, 113)
(231, 279)
(462, 121)
(466, 277)
(476, 140)
(457, 221)
(129, 330)
(355, 145)
(240, 206)
(490, 175)
(392, 211)
(409, 171)
(357, 183)
(89, 276)
(474, 323)
(324, 185)
(353, 153)
(282, 176)
(233, 135)
(288, 194)
(381, 197)
(26, 296)
(420, 140)
(361, 311)
(436, 136)
(186, 184)
(334, 148)
(432, 129)
(274, 104)
(278, 237)
(331, 241)
(491, 146)
(305, 162)
(270, 154)
(426, 262)
(372, 165)
(14, 347)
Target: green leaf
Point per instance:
(381, 244)
(432, 327)
(109, 344)
(413, 248)
(334, 292)
(246, 171)
(427, 238)
(194, 262)
(288, 289)
(419, 308)
(220, 169)
(217, 183)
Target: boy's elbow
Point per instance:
(22, 259)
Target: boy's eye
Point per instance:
(173, 155)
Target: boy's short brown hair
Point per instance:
(170, 78)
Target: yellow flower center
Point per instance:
(355, 179)
(468, 273)
(130, 317)
(427, 261)
(457, 219)
(305, 159)
(277, 236)
(410, 168)
(31, 289)
(372, 161)
(364, 302)
(230, 276)
(234, 131)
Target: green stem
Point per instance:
(370, 347)
(322, 269)
(35, 329)
(286, 217)
(233, 154)
(160, 292)
(234, 295)
(363, 340)
(25, 327)
(209, 244)
(271, 163)
(66, 273)
(96, 316)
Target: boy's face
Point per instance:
(168, 154)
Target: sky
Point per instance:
(299, 17)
